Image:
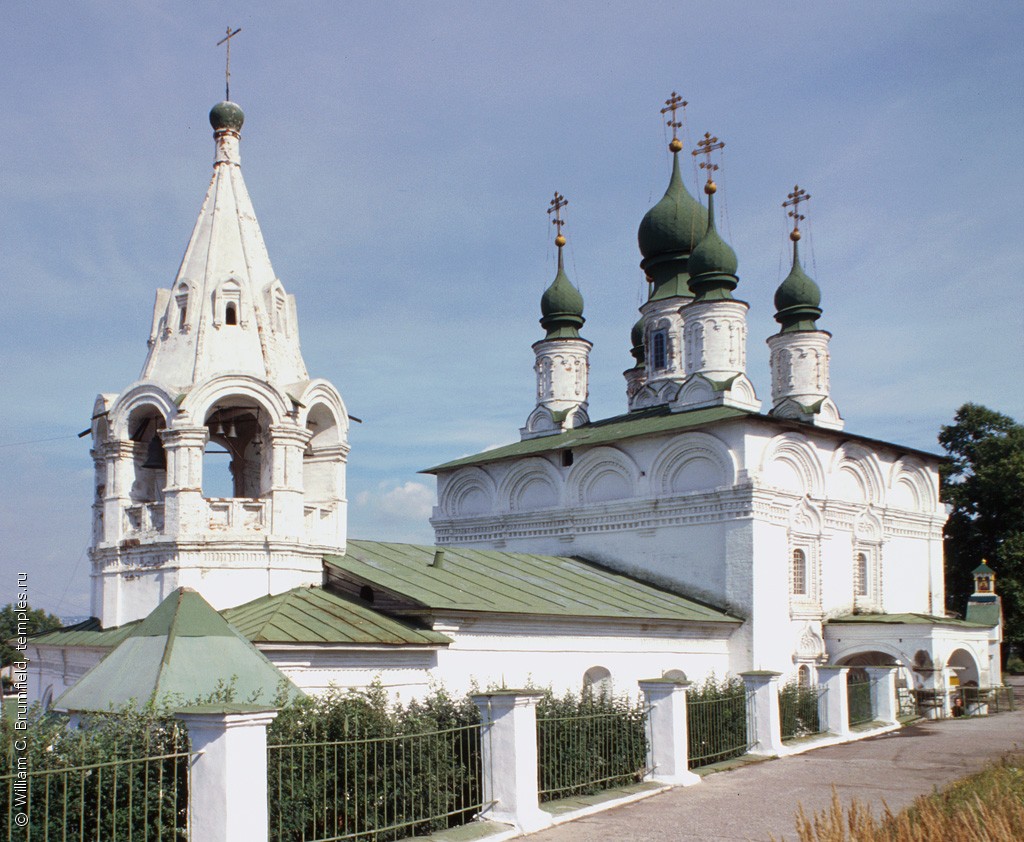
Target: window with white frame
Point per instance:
(659, 349)
(798, 572)
(860, 574)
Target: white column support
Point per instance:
(509, 756)
(667, 747)
(227, 798)
(837, 706)
(763, 721)
(883, 693)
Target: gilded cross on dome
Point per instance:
(227, 61)
(705, 147)
(793, 200)
(556, 206)
(673, 104)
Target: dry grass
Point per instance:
(986, 807)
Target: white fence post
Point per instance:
(667, 748)
(763, 721)
(883, 693)
(837, 706)
(227, 795)
(508, 748)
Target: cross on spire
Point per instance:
(556, 206)
(227, 61)
(793, 200)
(705, 147)
(673, 104)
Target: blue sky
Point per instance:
(400, 157)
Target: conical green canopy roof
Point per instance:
(713, 262)
(181, 653)
(561, 307)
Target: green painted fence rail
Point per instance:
(374, 788)
(800, 710)
(585, 753)
(718, 728)
(136, 799)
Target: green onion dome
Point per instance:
(226, 115)
(636, 337)
(668, 233)
(561, 307)
(798, 298)
(713, 262)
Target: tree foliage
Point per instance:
(983, 483)
(36, 620)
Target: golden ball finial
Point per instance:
(559, 241)
(676, 145)
(794, 235)
(710, 187)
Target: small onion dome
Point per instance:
(636, 336)
(713, 262)
(797, 299)
(668, 232)
(226, 116)
(561, 307)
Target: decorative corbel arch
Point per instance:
(603, 474)
(535, 478)
(134, 397)
(320, 391)
(703, 456)
(795, 452)
(201, 400)
(471, 491)
(911, 484)
(861, 464)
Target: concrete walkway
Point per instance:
(760, 800)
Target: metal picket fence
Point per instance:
(719, 728)
(585, 753)
(800, 710)
(858, 697)
(374, 788)
(136, 799)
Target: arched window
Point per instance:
(860, 576)
(658, 350)
(231, 315)
(597, 679)
(799, 572)
(803, 676)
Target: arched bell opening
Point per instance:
(320, 475)
(148, 475)
(236, 461)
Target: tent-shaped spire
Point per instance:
(181, 653)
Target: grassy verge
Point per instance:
(988, 805)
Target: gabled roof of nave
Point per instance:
(226, 260)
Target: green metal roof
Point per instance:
(904, 619)
(513, 583)
(183, 651)
(984, 612)
(314, 615)
(87, 633)
(658, 419)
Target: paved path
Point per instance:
(758, 801)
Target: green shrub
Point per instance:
(716, 718)
(1014, 665)
(799, 710)
(588, 742)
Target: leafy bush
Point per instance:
(354, 763)
(1014, 665)
(716, 719)
(91, 782)
(799, 710)
(588, 742)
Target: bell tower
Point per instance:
(224, 390)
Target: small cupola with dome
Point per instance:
(799, 351)
(562, 356)
(714, 323)
(667, 236)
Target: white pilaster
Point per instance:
(837, 707)
(667, 736)
(883, 693)
(228, 787)
(509, 758)
(763, 720)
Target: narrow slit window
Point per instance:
(659, 350)
(799, 572)
(182, 316)
(231, 315)
(862, 574)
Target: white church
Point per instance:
(715, 526)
